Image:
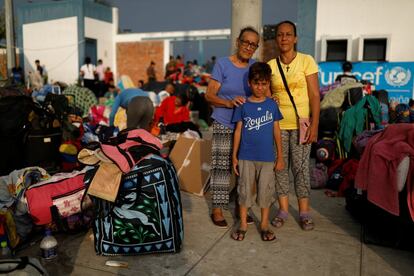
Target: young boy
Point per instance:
(257, 126)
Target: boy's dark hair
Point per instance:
(247, 29)
(347, 66)
(411, 103)
(87, 60)
(260, 71)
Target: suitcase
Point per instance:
(41, 148)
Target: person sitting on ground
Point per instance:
(173, 110)
(123, 99)
(112, 92)
(257, 129)
(347, 76)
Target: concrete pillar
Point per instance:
(245, 13)
(11, 54)
(201, 52)
(307, 26)
(115, 28)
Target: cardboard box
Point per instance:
(191, 158)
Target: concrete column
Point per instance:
(201, 52)
(245, 13)
(115, 28)
(11, 54)
(307, 26)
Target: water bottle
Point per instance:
(5, 250)
(48, 246)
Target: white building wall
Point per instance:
(356, 18)
(102, 32)
(55, 44)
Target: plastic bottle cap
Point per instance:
(3, 244)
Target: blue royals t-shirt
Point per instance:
(257, 140)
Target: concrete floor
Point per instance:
(333, 248)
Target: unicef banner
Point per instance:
(395, 77)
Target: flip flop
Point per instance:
(239, 235)
(307, 223)
(267, 235)
(278, 222)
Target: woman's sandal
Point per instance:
(278, 222)
(239, 235)
(267, 235)
(307, 223)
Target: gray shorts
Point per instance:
(260, 174)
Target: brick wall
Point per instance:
(3, 63)
(133, 59)
(3, 66)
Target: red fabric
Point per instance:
(377, 172)
(349, 170)
(97, 113)
(170, 113)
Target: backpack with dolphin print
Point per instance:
(146, 215)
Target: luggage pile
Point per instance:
(364, 153)
(45, 185)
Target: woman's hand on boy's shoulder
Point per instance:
(237, 101)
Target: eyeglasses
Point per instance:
(247, 44)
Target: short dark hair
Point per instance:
(411, 103)
(347, 66)
(87, 60)
(260, 71)
(247, 29)
(287, 22)
(37, 61)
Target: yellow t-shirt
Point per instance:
(301, 66)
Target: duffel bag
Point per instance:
(63, 190)
(146, 216)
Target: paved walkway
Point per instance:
(333, 248)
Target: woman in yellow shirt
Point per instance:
(301, 73)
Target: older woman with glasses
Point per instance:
(227, 89)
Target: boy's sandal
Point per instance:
(249, 219)
(307, 223)
(267, 235)
(238, 235)
(278, 222)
